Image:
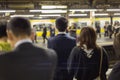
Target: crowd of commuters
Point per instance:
(20, 59)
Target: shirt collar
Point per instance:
(61, 32)
(22, 41)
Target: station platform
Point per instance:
(100, 41)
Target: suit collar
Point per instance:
(22, 41)
(61, 32)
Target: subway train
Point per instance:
(80, 22)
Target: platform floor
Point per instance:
(100, 41)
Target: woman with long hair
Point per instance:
(84, 61)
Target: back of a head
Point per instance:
(117, 44)
(61, 24)
(19, 26)
(88, 37)
(3, 26)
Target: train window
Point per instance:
(83, 24)
(106, 22)
(79, 25)
(39, 27)
(97, 23)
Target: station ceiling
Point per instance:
(23, 6)
(33, 4)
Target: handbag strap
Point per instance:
(101, 58)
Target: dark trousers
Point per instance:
(110, 34)
(44, 38)
(99, 34)
(106, 34)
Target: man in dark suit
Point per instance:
(26, 61)
(62, 44)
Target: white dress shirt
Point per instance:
(22, 41)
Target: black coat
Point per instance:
(62, 44)
(84, 68)
(27, 62)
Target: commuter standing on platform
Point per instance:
(84, 61)
(72, 30)
(106, 30)
(35, 35)
(52, 31)
(98, 29)
(110, 31)
(26, 61)
(115, 74)
(62, 44)
(116, 28)
(44, 34)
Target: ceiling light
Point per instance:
(49, 11)
(116, 13)
(5, 11)
(83, 10)
(54, 11)
(22, 16)
(102, 14)
(52, 15)
(35, 10)
(113, 9)
(52, 7)
(77, 14)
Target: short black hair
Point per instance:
(3, 26)
(19, 26)
(61, 24)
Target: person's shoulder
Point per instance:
(71, 38)
(77, 49)
(115, 72)
(117, 66)
(47, 52)
(50, 54)
(4, 55)
(53, 38)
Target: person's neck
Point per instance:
(19, 39)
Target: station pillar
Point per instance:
(92, 18)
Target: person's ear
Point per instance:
(10, 35)
(32, 35)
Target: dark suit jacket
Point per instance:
(115, 74)
(27, 62)
(62, 44)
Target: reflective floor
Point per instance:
(100, 41)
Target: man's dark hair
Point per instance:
(3, 26)
(19, 26)
(61, 23)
